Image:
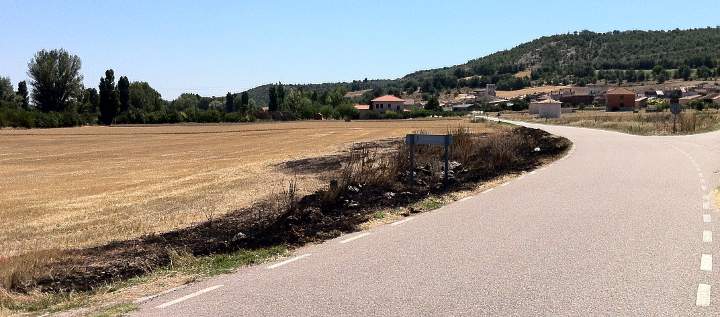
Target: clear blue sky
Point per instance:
(211, 47)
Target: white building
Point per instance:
(547, 108)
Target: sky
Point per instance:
(212, 47)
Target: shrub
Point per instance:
(391, 115)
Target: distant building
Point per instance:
(686, 100)
(463, 107)
(387, 102)
(362, 108)
(619, 99)
(548, 108)
(714, 98)
(641, 102)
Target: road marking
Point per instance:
(707, 218)
(355, 237)
(147, 298)
(707, 236)
(703, 295)
(288, 261)
(402, 221)
(706, 262)
(706, 205)
(189, 296)
(487, 190)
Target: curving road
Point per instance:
(623, 225)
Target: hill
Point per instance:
(575, 58)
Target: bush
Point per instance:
(391, 115)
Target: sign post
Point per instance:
(675, 109)
(445, 140)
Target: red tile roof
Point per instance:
(387, 98)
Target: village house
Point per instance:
(387, 102)
(641, 102)
(547, 108)
(619, 99)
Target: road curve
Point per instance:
(623, 225)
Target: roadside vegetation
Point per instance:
(364, 183)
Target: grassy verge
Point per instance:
(118, 298)
(641, 123)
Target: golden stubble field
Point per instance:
(76, 187)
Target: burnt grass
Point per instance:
(367, 178)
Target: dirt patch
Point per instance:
(367, 181)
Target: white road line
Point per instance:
(707, 218)
(189, 296)
(355, 237)
(707, 236)
(487, 190)
(147, 298)
(706, 262)
(703, 295)
(276, 265)
(402, 221)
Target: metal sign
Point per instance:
(414, 139)
(675, 108)
(428, 139)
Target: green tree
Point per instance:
(433, 104)
(229, 102)
(144, 97)
(123, 88)
(89, 101)
(55, 78)
(684, 72)
(704, 72)
(6, 89)
(108, 98)
(244, 102)
(22, 93)
(273, 104)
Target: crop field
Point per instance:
(77, 187)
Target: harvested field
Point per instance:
(369, 178)
(80, 187)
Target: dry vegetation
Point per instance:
(642, 123)
(78, 187)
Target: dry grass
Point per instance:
(77, 187)
(642, 123)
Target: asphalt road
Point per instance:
(623, 225)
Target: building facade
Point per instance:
(387, 102)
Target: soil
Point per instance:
(282, 220)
